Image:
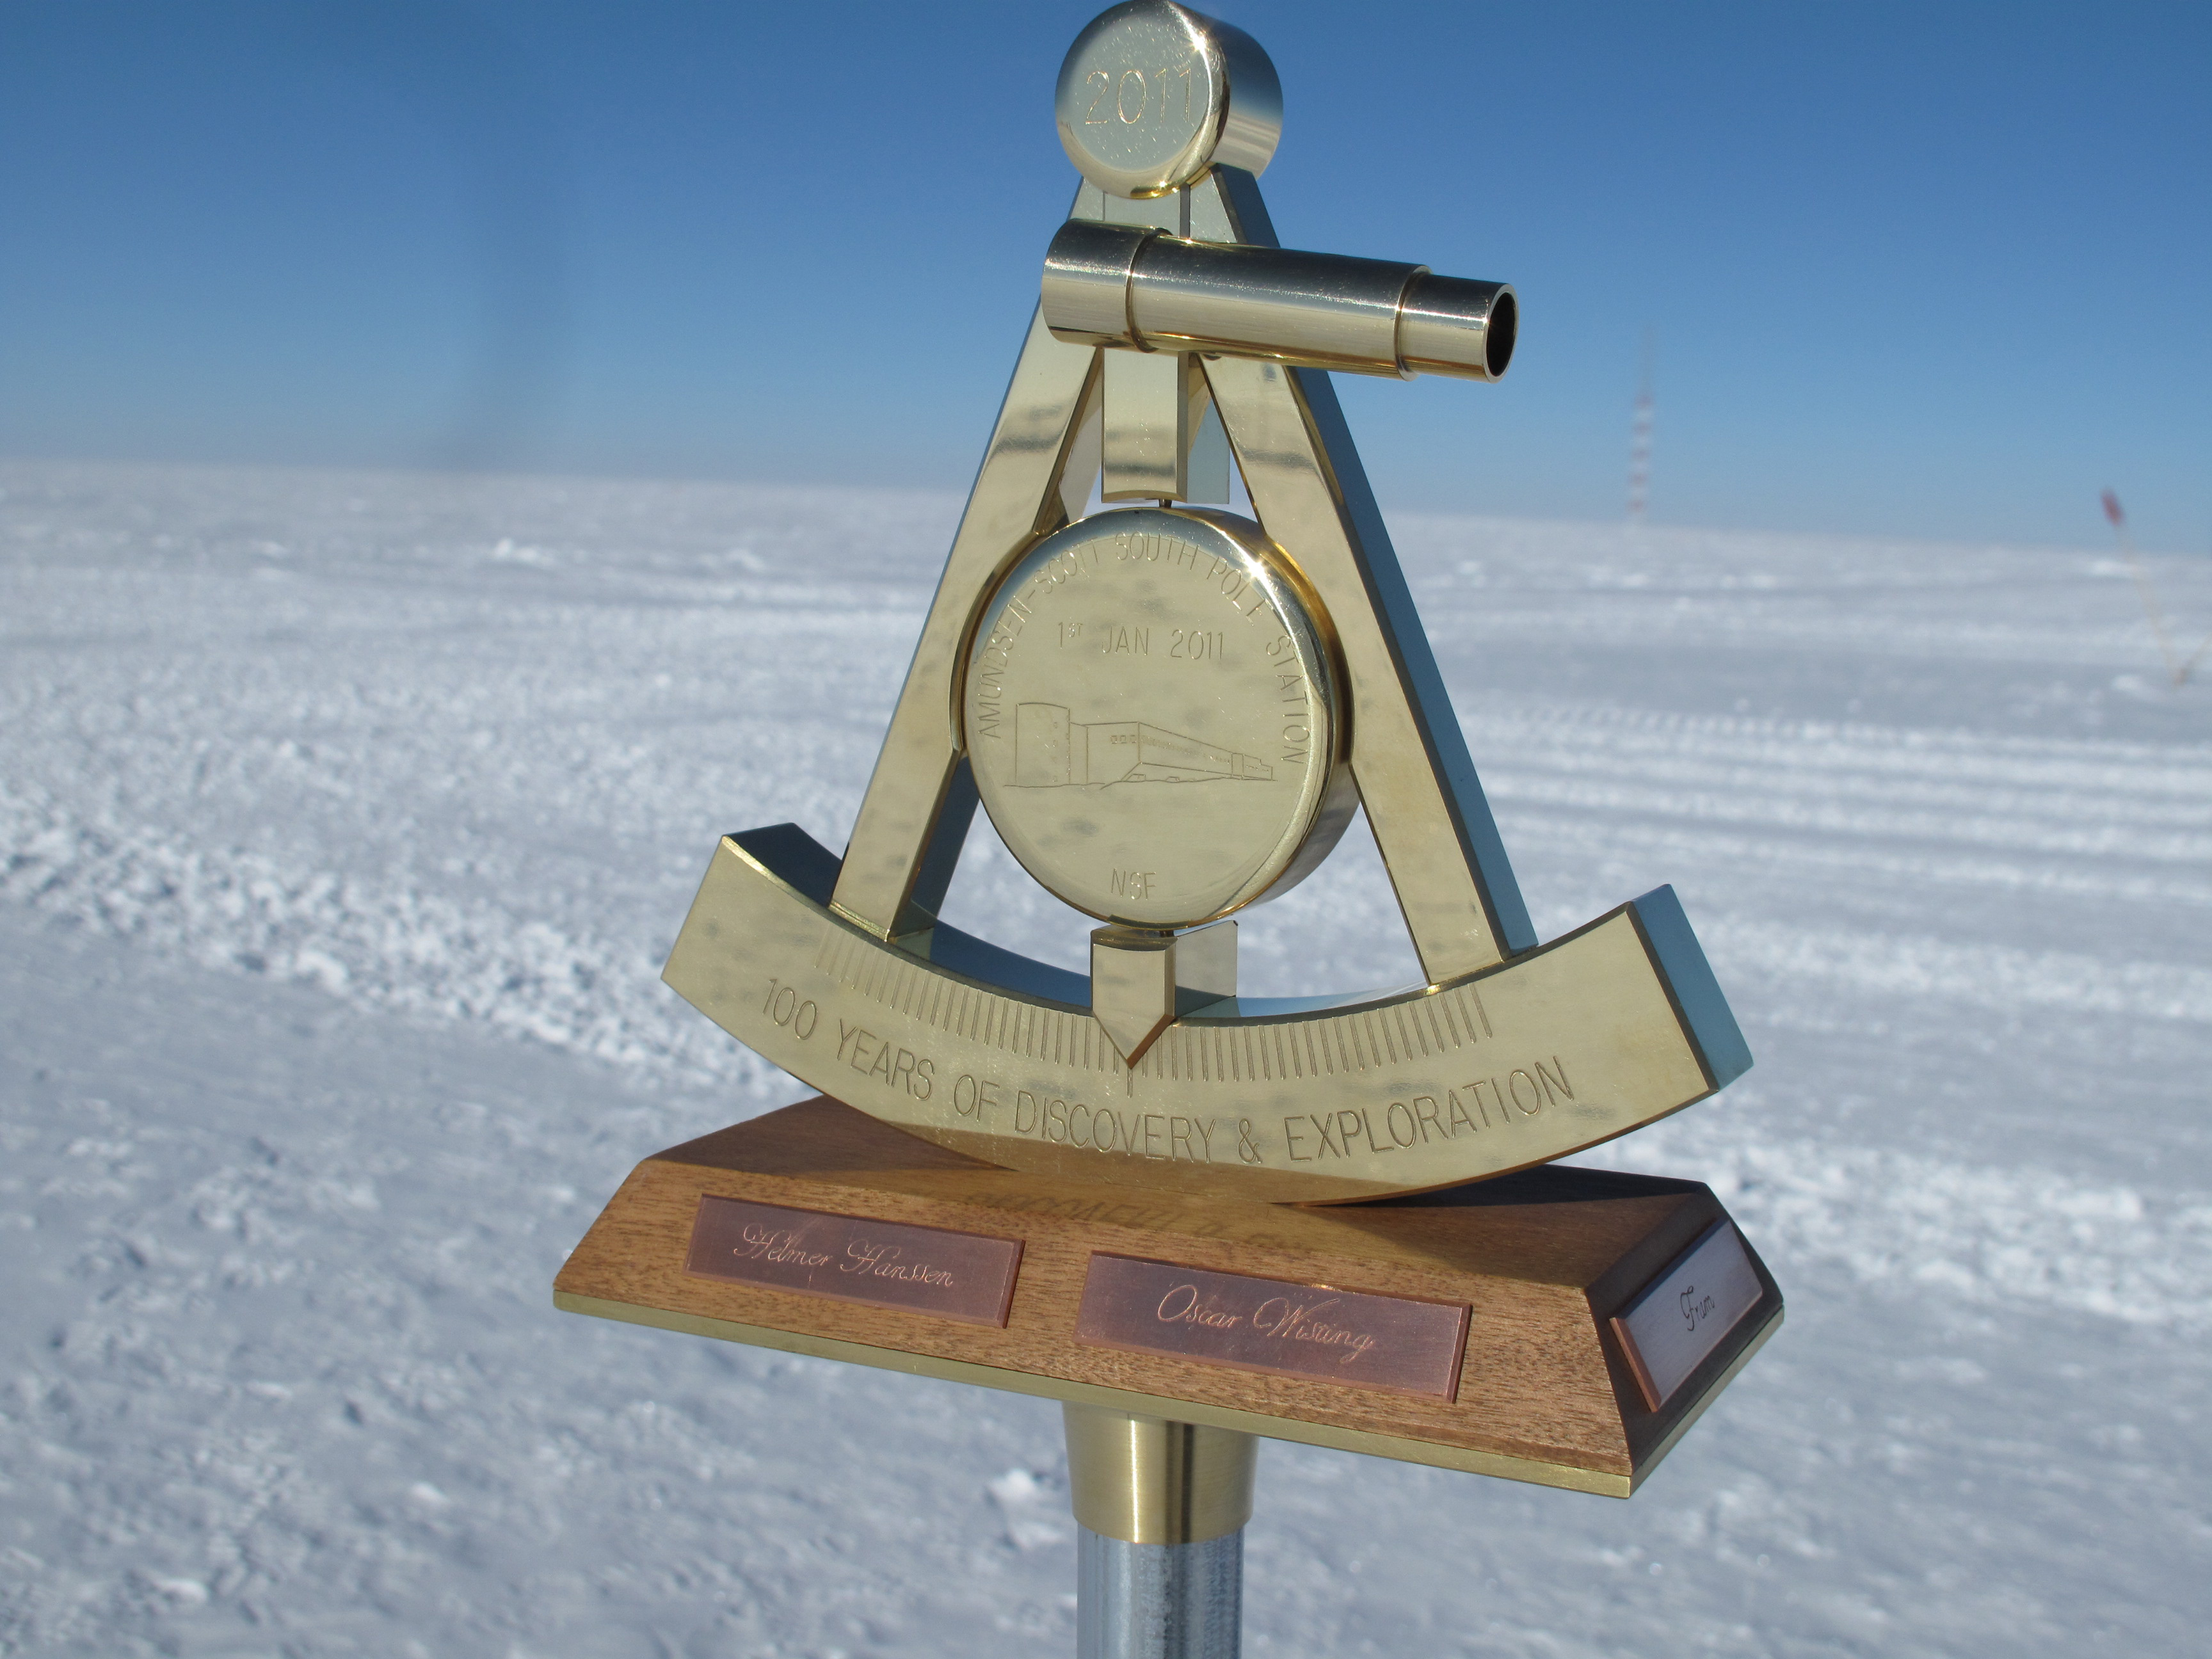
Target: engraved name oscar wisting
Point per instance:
(1270, 1325)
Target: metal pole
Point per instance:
(1160, 1507)
(1158, 1600)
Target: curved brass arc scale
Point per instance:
(1610, 1028)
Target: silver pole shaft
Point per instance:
(1158, 1600)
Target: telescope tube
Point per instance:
(1137, 287)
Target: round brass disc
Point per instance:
(1152, 94)
(1153, 712)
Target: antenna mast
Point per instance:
(1639, 438)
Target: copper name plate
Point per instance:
(964, 1276)
(1682, 1314)
(1273, 1325)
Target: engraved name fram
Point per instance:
(1679, 1318)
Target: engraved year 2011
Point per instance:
(797, 1014)
(1128, 98)
(1198, 644)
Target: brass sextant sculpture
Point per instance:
(1171, 713)
(1191, 1215)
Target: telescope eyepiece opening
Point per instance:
(1498, 343)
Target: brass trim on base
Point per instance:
(1154, 1479)
(1146, 1405)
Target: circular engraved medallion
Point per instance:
(1153, 94)
(1154, 715)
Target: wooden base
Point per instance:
(1544, 1260)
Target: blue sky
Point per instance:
(1925, 270)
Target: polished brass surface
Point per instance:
(1155, 1480)
(1086, 451)
(886, 884)
(1163, 439)
(1615, 1025)
(1535, 1471)
(1136, 286)
(1430, 819)
(1170, 212)
(1205, 966)
(1088, 272)
(1320, 308)
(1133, 986)
(1152, 400)
(1206, 467)
(1417, 783)
(1458, 326)
(1143, 980)
(1171, 713)
(1434, 829)
(1152, 94)
(1152, 713)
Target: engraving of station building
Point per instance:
(1050, 750)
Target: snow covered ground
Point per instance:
(344, 820)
